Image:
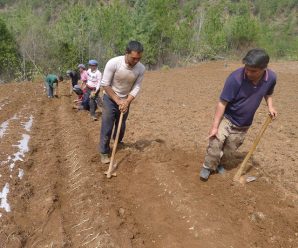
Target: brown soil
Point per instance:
(157, 199)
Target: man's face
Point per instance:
(133, 58)
(253, 74)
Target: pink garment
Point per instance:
(84, 76)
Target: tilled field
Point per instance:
(54, 193)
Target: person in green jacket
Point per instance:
(51, 82)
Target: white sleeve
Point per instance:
(98, 80)
(108, 73)
(88, 75)
(137, 85)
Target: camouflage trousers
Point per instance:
(228, 139)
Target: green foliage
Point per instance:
(156, 26)
(70, 37)
(213, 32)
(99, 32)
(278, 37)
(115, 27)
(242, 31)
(9, 56)
(277, 47)
(268, 9)
(59, 35)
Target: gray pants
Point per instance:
(90, 103)
(226, 142)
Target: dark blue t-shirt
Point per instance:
(244, 97)
(75, 77)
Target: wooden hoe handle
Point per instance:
(111, 166)
(252, 149)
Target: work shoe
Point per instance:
(220, 169)
(104, 158)
(204, 174)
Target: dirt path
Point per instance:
(64, 200)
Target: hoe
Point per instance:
(239, 177)
(112, 167)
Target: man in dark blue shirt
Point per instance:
(242, 94)
(74, 76)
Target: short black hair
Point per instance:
(134, 45)
(60, 78)
(256, 57)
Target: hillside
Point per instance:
(58, 35)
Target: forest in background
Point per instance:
(38, 36)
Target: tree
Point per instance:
(9, 55)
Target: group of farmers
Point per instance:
(121, 81)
